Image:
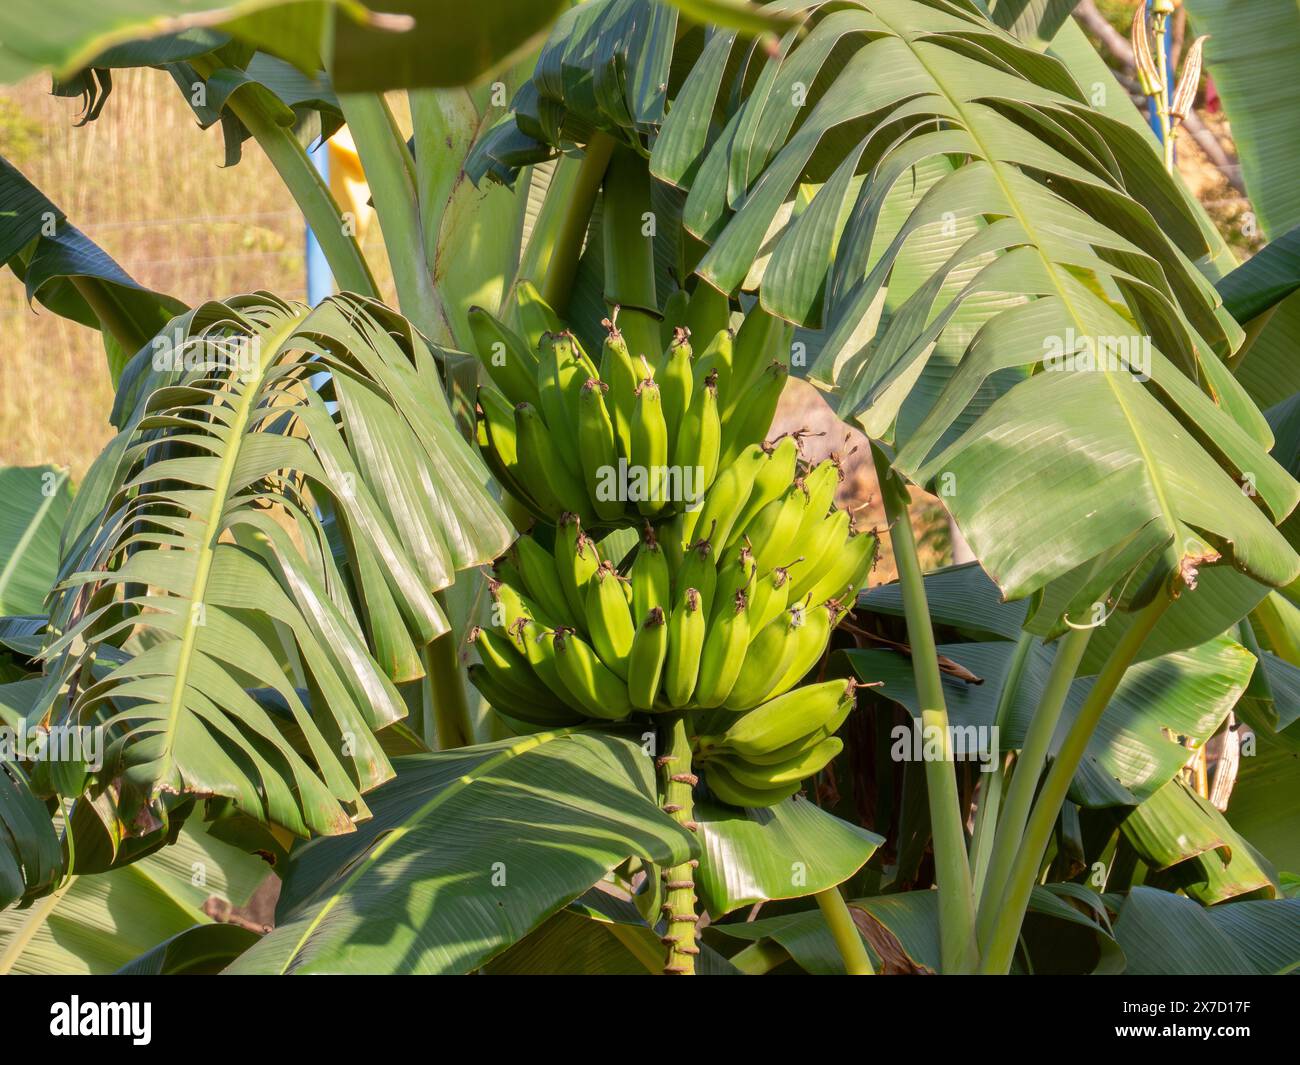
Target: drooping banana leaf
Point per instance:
(71, 275)
(36, 500)
(782, 852)
(202, 950)
(285, 495)
(1163, 934)
(469, 851)
(97, 923)
(1193, 848)
(397, 44)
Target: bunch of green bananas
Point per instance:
(643, 434)
(728, 606)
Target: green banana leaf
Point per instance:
(467, 853)
(1265, 802)
(781, 852)
(98, 923)
(1138, 744)
(1251, 55)
(1194, 848)
(1248, 51)
(31, 861)
(71, 275)
(397, 44)
(36, 502)
(248, 538)
(1267, 278)
(1034, 21)
(1163, 934)
(203, 950)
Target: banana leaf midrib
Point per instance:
(212, 525)
(995, 168)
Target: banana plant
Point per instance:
(989, 273)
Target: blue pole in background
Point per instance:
(320, 282)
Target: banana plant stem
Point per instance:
(990, 796)
(1020, 883)
(845, 933)
(952, 866)
(1025, 776)
(306, 185)
(569, 232)
(679, 907)
(387, 164)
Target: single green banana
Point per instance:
(649, 458)
(505, 355)
(649, 577)
(536, 566)
(715, 361)
(598, 451)
(762, 339)
(731, 791)
(609, 618)
(686, 629)
(576, 562)
(556, 487)
(820, 485)
(768, 658)
(676, 381)
(496, 440)
(646, 660)
(804, 743)
(810, 640)
(560, 377)
(845, 569)
(593, 685)
(772, 532)
(750, 420)
(784, 720)
(699, 440)
(724, 654)
(735, 574)
(535, 316)
(728, 495)
(774, 477)
(699, 571)
(791, 771)
(619, 370)
(821, 543)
